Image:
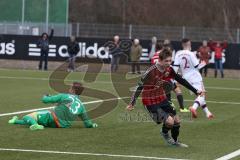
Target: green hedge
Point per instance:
(35, 10)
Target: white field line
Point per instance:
(37, 109)
(224, 88)
(230, 155)
(23, 78)
(83, 153)
(103, 82)
(98, 101)
(216, 102)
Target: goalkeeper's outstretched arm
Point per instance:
(52, 99)
(86, 120)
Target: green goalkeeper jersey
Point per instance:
(69, 107)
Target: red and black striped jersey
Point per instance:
(154, 84)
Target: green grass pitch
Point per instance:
(120, 132)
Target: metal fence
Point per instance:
(124, 31)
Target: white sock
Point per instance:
(195, 105)
(207, 112)
(199, 101)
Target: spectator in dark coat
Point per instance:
(73, 49)
(43, 44)
(115, 52)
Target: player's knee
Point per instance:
(27, 116)
(201, 100)
(169, 121)
(177, 120)
(178, 90)
(31, 114)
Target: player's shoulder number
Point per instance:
(186, 63)
(76, 106)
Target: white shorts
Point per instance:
(198, 85)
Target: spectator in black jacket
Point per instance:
(43, 44)
(73, 49)
(115, 54)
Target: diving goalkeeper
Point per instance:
(69, 107)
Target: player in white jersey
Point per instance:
(189, 66)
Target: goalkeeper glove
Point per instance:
(94, 125)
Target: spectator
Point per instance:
(159, 48)
(167, 44)
(218, 48)
(43, 44)
(115, 52)
(135, 54)
(204, 55)
(152, 47)
(73, 49)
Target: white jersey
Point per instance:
(187, 62)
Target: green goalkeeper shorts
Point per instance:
(45, 118)
(48, 118)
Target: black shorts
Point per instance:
(160, 112)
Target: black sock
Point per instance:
(169, 97)
(180, 100)
(175, 132)
(165, 129)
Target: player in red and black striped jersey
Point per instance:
(154, 86)
(177, 90)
